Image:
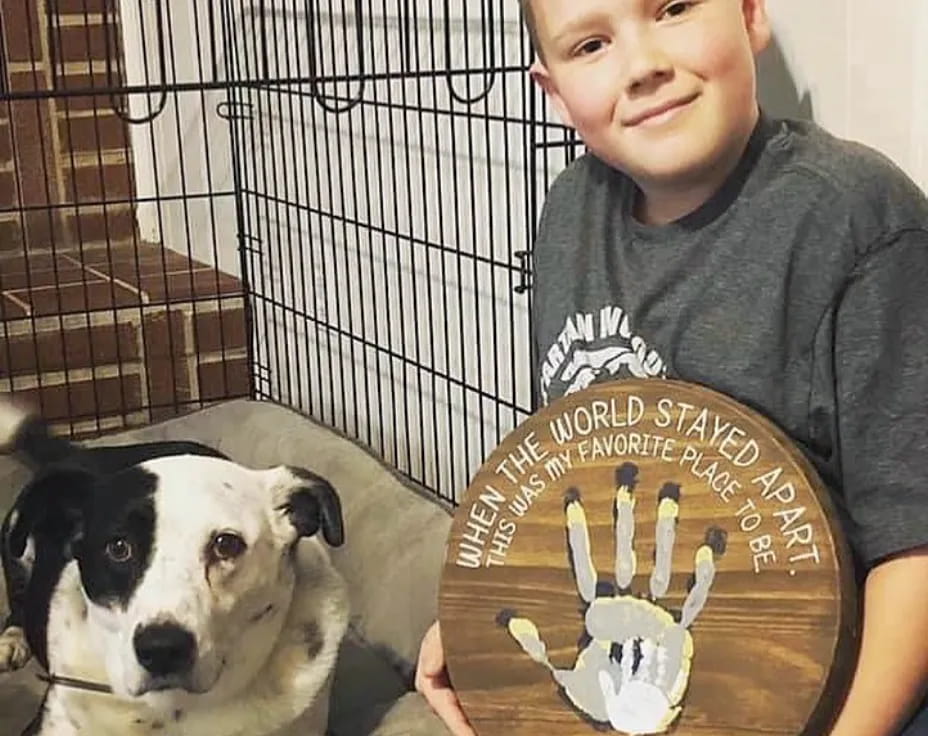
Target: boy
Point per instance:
(765, 259)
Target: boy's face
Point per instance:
(660, 90)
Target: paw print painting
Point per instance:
(633, 671)
(648, 557)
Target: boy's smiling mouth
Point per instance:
(659, 113)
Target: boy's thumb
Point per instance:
(432, 655)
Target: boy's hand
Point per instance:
(432, 682)
(892, 669)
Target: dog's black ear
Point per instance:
(312, 503)
(50, 506)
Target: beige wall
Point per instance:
(863, 65)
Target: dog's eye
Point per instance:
(119, 550)
(227, 546)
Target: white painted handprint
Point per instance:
(634, 664)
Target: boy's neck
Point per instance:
(659, 204)
(660, 207)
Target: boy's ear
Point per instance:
(757, 24)
(542, 78)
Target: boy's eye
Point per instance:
(672, 10)
(590, 46)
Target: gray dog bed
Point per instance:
(395, 537)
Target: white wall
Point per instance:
(862, 66)
(182, 158)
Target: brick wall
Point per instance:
(97, 329)
(68, 150)
(30, 170)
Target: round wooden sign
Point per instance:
(647, 557)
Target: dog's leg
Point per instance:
(14, 651)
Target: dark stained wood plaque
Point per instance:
(648, 557)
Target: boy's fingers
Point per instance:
(431, 654)
(432, 682)
(446, 705)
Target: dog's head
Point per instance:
(186, 563)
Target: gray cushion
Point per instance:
(408, 716)
(395, 539)
(20, 695)
(369, 698)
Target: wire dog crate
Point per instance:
(325, 204)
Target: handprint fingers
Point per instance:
(677, 674)
(667, 511)
(704, 573)
(626, 477)
(673, 662)
(627, 661)
(578, 543)
(526, 634)
(650, 663)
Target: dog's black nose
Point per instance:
(164, 649)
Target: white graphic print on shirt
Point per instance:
(595, 346)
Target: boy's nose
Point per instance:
(646, 64)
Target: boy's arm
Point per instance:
(893, 666)
(881, 382)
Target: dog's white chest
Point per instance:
(70, 712)
(75, 713)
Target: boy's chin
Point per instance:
(673, 168)
(673, 176)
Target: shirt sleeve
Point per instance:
(881, 385)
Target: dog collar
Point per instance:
(73, 682)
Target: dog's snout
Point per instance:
(164, 649)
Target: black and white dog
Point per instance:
(168, 590)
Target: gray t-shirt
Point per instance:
(800, 289)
